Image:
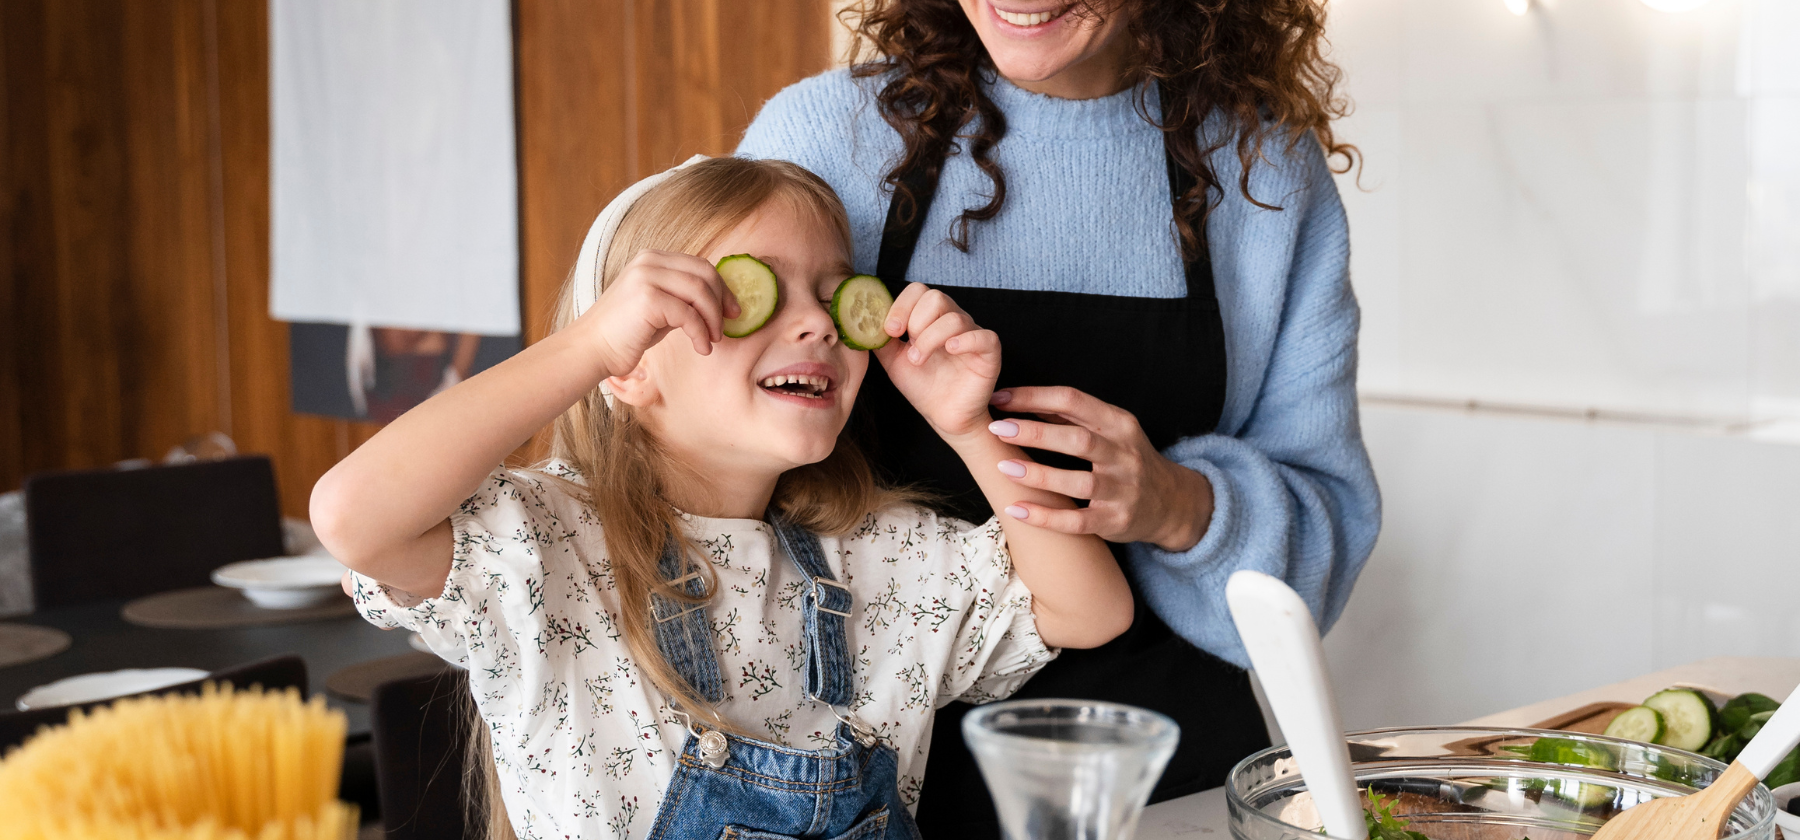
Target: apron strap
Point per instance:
(683, 632)
(826, 606)
(900, 234)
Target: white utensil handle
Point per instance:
(1278, 632)
(1773, 742)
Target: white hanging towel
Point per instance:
(394, 199)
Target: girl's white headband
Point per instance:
(592, 259)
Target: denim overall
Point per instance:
(726, 786)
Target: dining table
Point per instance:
(104, 641)
(1207, 814)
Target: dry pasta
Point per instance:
(223, 765)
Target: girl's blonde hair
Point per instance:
(625, 469)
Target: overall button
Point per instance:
(713, 749)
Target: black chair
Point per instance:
(420, 730)
(275, 673)
(115, 534)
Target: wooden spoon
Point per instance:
(1702, 816)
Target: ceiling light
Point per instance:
(1518, 7)
(1674, 5)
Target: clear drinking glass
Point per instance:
(1069, 769)
(1468, 783)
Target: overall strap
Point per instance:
(825, 604)
(900, 234)
(683, 633)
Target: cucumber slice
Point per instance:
(757, 291)
(1688, 717)
(860, 308)
(1638, 723)
(1573, 753)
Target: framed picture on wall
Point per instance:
(375, 374)
(394, 198)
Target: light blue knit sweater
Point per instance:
(1087, 210)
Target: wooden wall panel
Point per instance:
(304, 446)
(134, 218)
(575, 135)
(612, 91)
(169, 372)
(19, 226)
(71, 309)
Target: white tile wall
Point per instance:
(1592, 205)
(1523, 558)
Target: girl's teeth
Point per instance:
(1026, 20)
(817, 383)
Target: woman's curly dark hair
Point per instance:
(1259, 63)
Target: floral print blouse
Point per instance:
(584, 745)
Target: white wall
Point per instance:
(1524, 558)
(1592, 206)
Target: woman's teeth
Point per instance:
(797, 384)
(1033, 19)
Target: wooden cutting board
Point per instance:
(1592, 718)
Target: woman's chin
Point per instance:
(1028, 66)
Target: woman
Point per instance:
(1172, 293)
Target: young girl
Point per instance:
(703, 616)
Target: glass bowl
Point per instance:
(1480, 783)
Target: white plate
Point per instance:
(283, 583)
(87, 688)
(1788, 822)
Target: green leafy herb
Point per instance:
(1738, 710)
(1785, 773)
(1383, 825)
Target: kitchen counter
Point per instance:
(1204, 815)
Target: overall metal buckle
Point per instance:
(864, 733)
(714, 749)
(817, 581)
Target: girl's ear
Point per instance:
(635, 389)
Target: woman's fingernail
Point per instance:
(1004, 428)
(1017, 512)
(1013, 468)
(892, 326)
(1000, 398)
(913, 355)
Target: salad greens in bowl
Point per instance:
(1478, 783)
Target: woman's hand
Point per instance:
(947, 370)
(1134, 494)
(657, 292)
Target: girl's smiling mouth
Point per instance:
(809, 384)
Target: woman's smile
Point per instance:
(1029, 21)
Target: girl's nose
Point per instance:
(809, 320)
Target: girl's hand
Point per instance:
(1134, 493)
(947, 370)
(658, 291)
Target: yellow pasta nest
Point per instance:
(224, 765)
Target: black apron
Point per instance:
(1162, 359)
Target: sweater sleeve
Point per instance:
(1294, 492)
